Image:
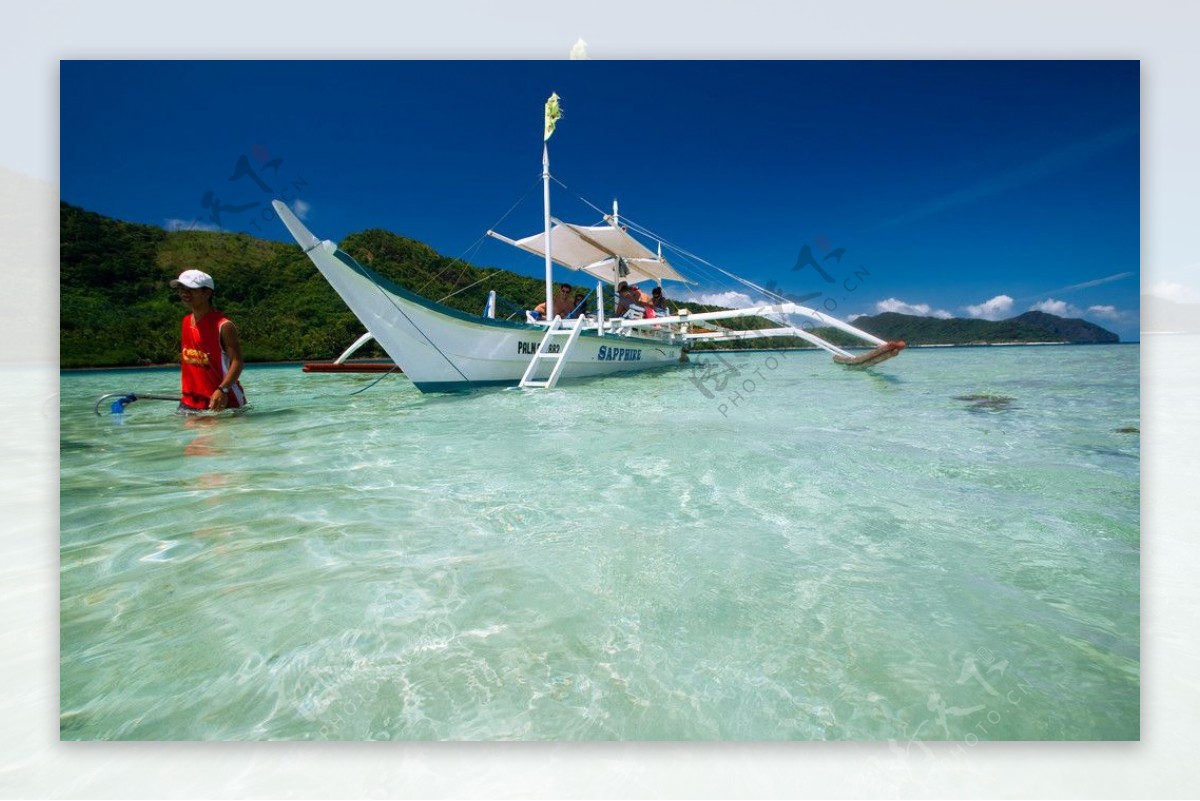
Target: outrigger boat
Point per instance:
(443, 349)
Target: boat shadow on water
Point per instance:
(880, 379)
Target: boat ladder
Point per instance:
(557, 330)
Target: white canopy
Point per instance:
(596, 250)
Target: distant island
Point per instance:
(1032, 326)
(117, 310)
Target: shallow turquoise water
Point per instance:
(823, 555)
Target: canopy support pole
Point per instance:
(600, 308)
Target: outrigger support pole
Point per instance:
(883, 349)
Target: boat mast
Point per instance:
(546, 206)
(553, 112)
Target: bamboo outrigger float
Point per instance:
(443, 349)
(343, 363)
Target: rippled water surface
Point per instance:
(944, 548)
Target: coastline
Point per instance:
(301, 362)
(166, 366)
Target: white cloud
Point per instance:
(918, 309)
(1057, 307)
(1105, 312)
(176, 224)
(1169, 290)
(730, 300)
(852, 317)
(899, 306)
(995, 309)
(301, 208)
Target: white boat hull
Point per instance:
(444, 350)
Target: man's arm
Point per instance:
(233, 349)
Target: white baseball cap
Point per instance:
(193, 279)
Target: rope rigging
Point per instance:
(475, 246)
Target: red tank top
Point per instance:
(204, 363)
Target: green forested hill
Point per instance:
(1031, 326)
(117, 308)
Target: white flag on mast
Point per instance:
(553, 112)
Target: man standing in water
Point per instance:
(211, 359)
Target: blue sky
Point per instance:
(976, 188)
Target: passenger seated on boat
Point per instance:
(623, 299)
(632, 297)
(562, 302)
(578, 309)
(660, 302)
(562, 305)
